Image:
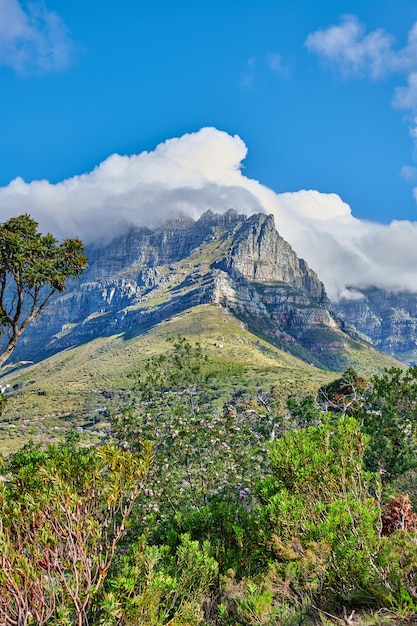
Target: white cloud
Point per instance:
(406, 97)
(33, 39)
(277, 64)
(201, 171)
(353, 51)
(188, 174)
(405, 59)
(409, 172)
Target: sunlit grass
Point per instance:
(80, 387)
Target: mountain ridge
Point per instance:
(228, 281)
(228, 259)
(385, 318)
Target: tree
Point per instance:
(389, 415)
(203, 449)
(32, 268)
(386, 408)
(207, 453)
(344, 395)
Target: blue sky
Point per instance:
(323, 94)
(135, 73)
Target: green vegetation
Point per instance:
(64, 511)
(82, 386)
(32, 268)
(214, 479)
(218, 502)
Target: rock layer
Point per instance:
(229, 260)
(387, 319)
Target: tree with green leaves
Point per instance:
(386, 408)
(203, 448)
(345, 395)
(389, 415)
(32, 268)
(208, 453)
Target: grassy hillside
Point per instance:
(80, 387)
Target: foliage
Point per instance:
(344, 395)
(231, 528)
(406, 483)
(225, 529)
(155, 586)
(32, 268)
(202, 450)
(318, 499)
(397, 559)
(386, 407)
(390, 417)
(63, 511)
(303, 411)
(268, 599)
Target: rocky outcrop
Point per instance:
(230, 260)
(387, 319)
(262, 255)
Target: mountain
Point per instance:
(387, 319)
(240, 263)
(229, 281)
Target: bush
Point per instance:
(318, 499)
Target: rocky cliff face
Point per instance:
(385, 318)
(228, 260)
(261, 278)
(262, 255)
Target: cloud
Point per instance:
(271, 63)
(188, 174)
(203, 170)
(406, 97)
(347, 252)
(351, 50)
(33, 39)
(276, 63)
(409, 172)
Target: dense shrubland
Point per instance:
(223, 511)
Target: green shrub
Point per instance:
(319, 495)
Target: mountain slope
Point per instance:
(80, 387)
(238, 262)
(387, 319)
(228, 281)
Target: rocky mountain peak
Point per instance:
(227, 219)
(226, 259)
(261, 254)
